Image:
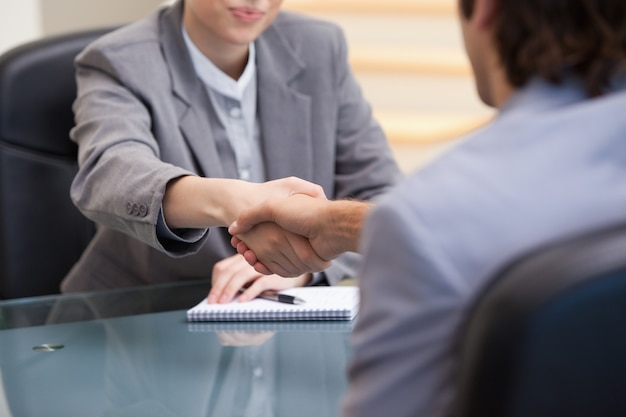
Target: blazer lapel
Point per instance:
(191, 98)
(285, 114)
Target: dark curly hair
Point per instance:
(549, 38)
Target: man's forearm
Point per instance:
(343, 223)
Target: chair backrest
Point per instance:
(548, 337)
(41, 233)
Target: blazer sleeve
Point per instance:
(121, 179)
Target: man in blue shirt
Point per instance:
(550, 166)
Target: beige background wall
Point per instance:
(19, 22)
(64, 15)
(25, 20)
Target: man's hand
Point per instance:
(232, 274)
(330, 227)
(284, 253)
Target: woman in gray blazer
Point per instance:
(198, 111)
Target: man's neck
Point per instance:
(501, 89)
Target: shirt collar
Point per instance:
(539, 95)
(215, 78)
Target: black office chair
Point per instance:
(41, 233)
(548, 338)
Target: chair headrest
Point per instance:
(37, 89)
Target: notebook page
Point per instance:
(321, 303)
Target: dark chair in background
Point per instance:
(548, 338)
(41, 233)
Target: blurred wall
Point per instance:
(19, 22)
(60, 16)
(25, 20)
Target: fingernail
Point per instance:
(224, 299)
(212, 299)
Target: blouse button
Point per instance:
(235, 112)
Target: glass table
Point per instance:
(131, 352)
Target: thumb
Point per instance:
(250, 218)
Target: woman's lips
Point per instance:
(246, 15)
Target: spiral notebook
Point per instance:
(281, 326)
(320, 303)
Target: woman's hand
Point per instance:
(234, 277)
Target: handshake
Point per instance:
(300, 233)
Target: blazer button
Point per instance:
(129, 208)
(143, 210)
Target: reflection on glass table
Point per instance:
(132, 353)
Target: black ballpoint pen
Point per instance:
(281, 298)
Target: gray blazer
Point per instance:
(141, 120)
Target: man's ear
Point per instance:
(485, 12)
